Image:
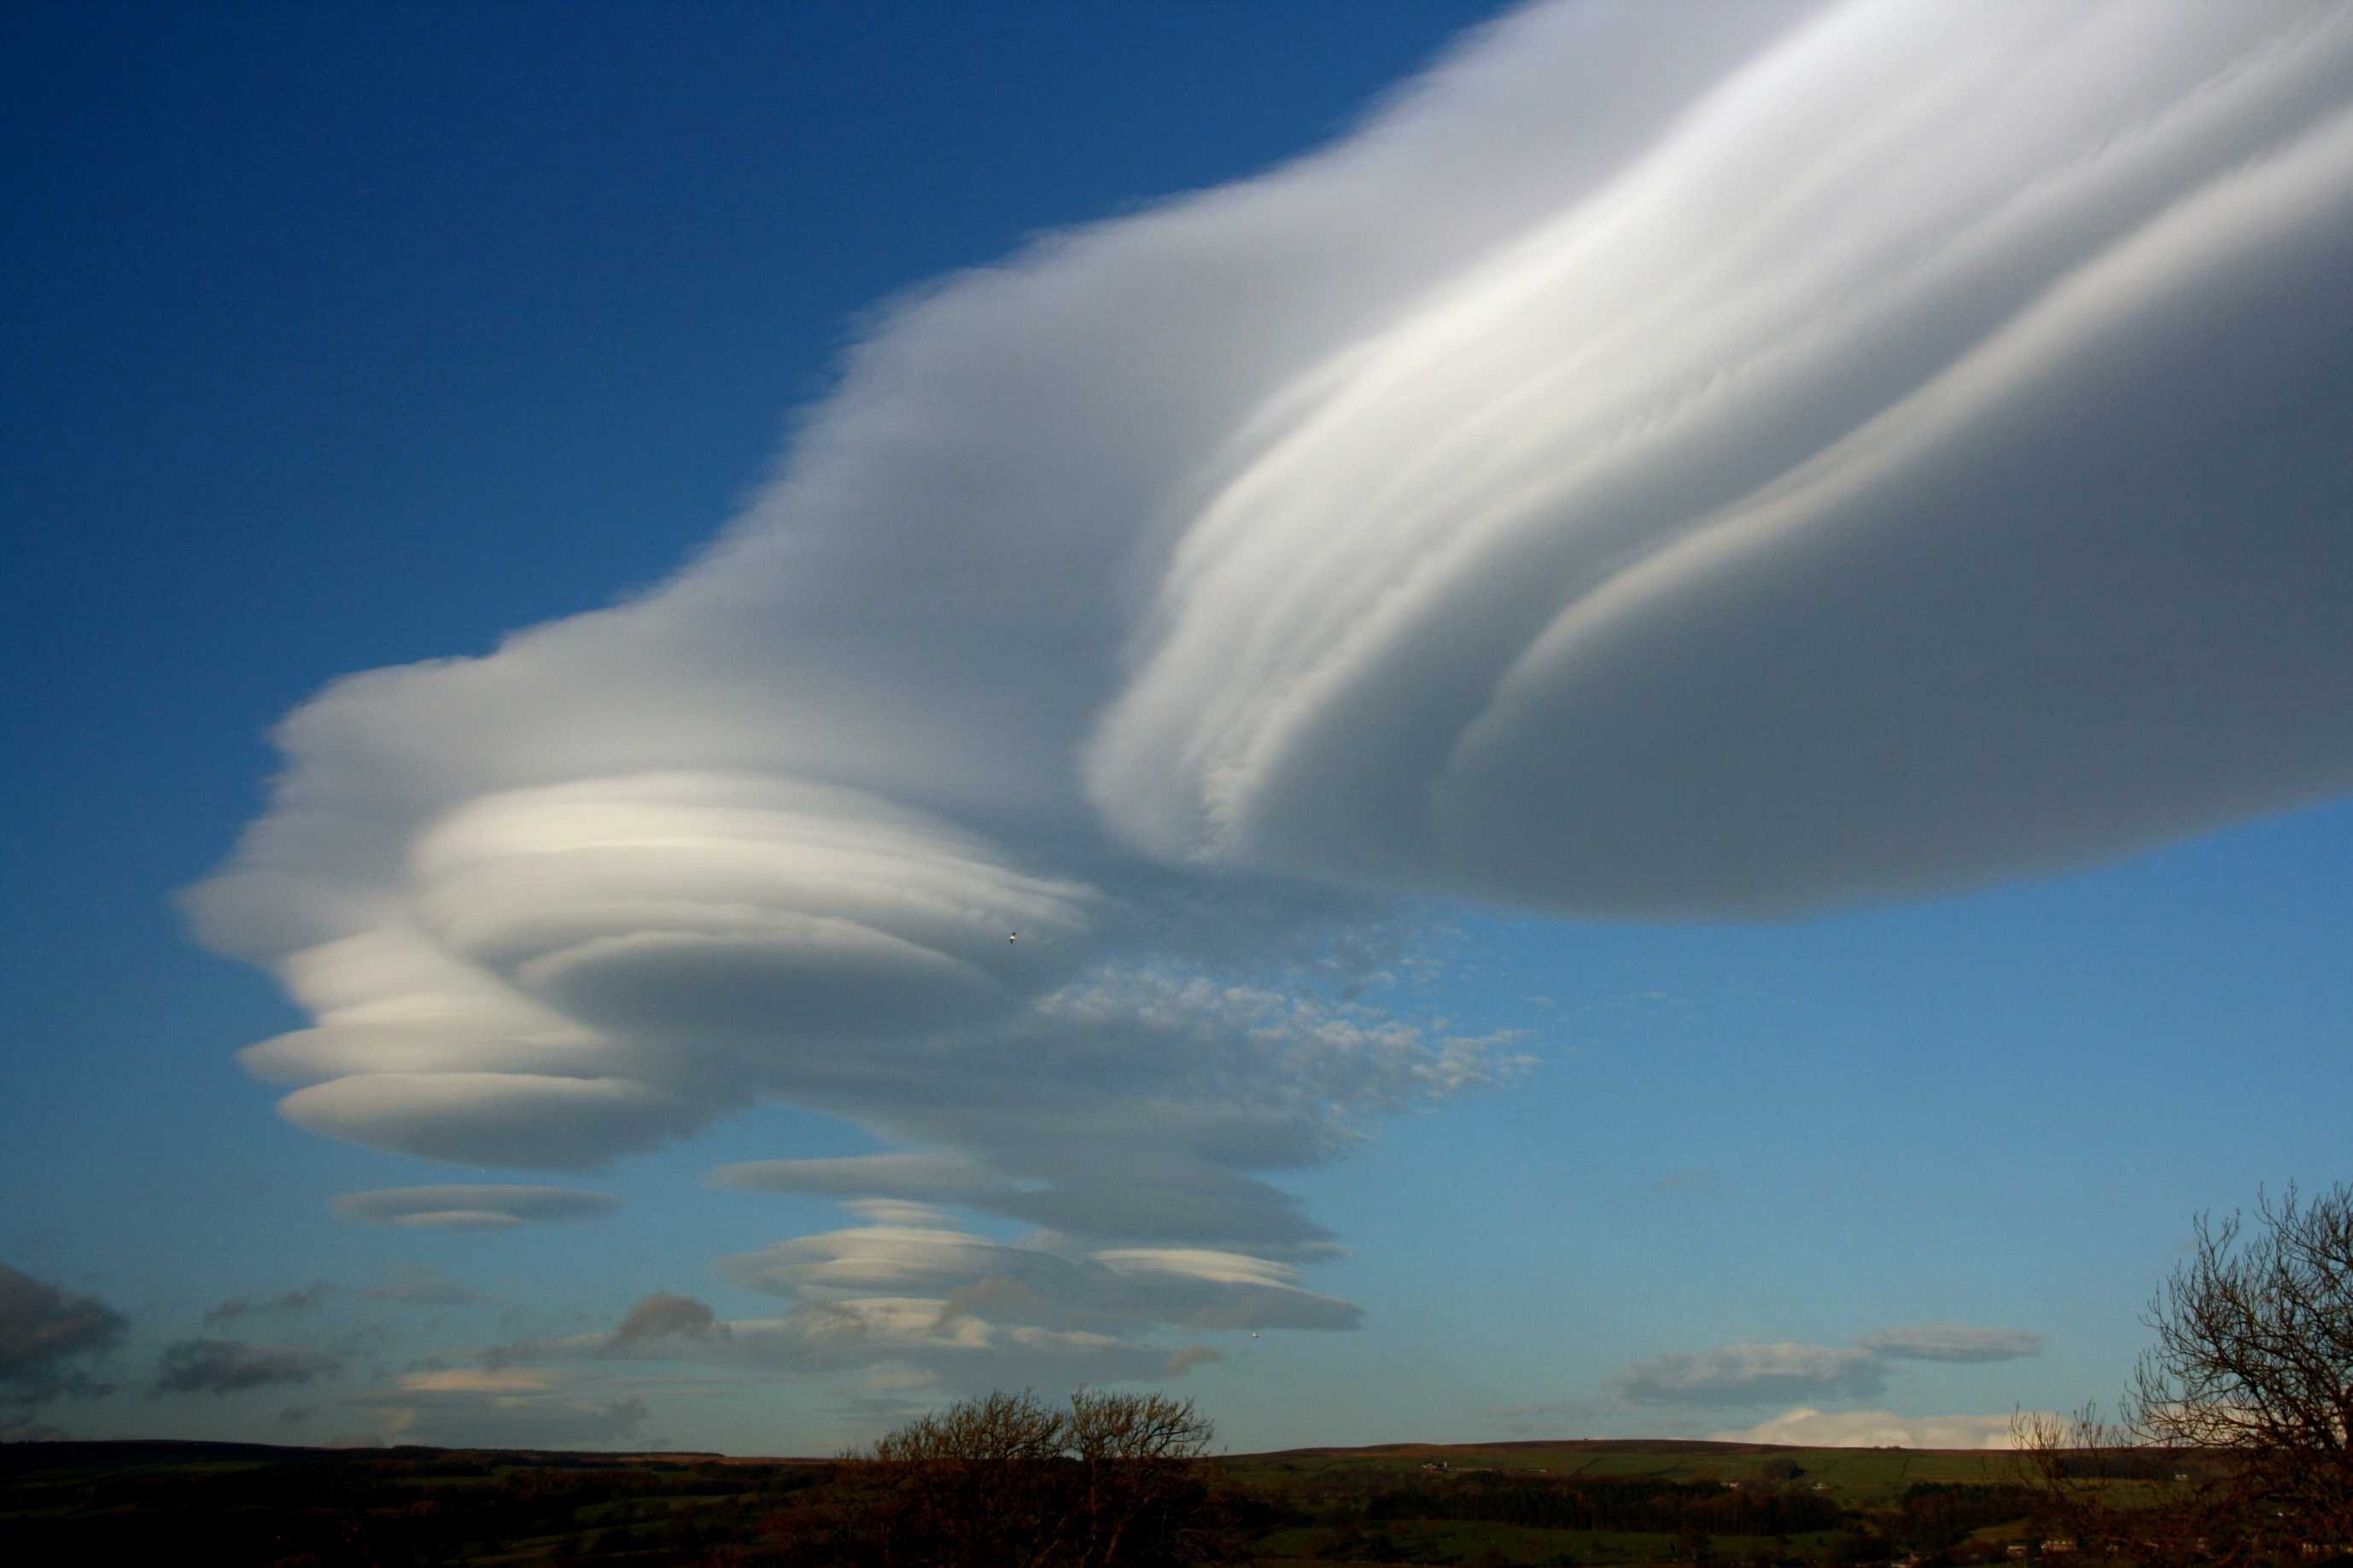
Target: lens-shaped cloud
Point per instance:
(1660, 464)
(472, 1207)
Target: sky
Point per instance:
(1429, 722)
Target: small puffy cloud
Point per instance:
(1751, 1374)
(472, 1207)
(1952, 1342)
(47, 1337)
(664, 1315)
(414, 1285)
(297, 1300)
(228, 1366)
(1805, 1427)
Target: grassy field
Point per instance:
(1854, 1478)
(1403, 1503)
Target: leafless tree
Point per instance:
(1007, 1481)
(2236, 1440)
(2253, 1360)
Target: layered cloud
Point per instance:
(472, 1207)
(1659, 465)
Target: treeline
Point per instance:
(1936, 1516)
(1633, 1504)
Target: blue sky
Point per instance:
(1669, 745)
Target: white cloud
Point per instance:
(1658, 465)
(1809, 1428)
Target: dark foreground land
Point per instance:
(1599, 1503)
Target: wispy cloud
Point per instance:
(1952, 1342)
(297, 1300)
(414, 1285)
(1657, 466)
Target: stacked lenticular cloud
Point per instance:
(1666, 463)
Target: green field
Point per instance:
(1400, 1502)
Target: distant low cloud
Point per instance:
(228, 1366)
(473, 1207)
(1809, 1428)
(512, 1407)
(1952, 1342)
(1751, 1374)
(296, 1301)
(49, 1337)
(1666, 463)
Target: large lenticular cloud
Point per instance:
(1670, 462)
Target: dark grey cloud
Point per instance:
(300, 1299)
(1188, 1357)
(664, 1315)
(473, 1207)
(48, 1338)
(414, 1285)
(1779, 1374)
(1952, 1342)
(230, 1366)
